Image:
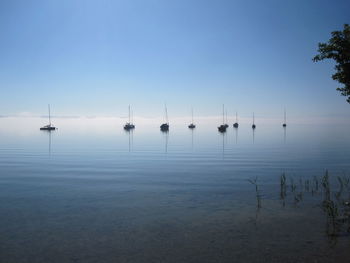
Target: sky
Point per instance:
(94, 58)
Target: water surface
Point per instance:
(91, 192)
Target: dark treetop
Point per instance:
(338, 48)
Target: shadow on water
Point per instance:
(130, 133)
(48, 132)
(285, 134)
(253, 136)
(192, 135)
(165, 134)
(223, 143)
(236, 135)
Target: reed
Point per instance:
(298, 197)
(341, 183)
(316, 183)
(283, 187)
(332, 212)
(293, 186)
(335, 206)
(337, 212)
(307, 185)
(326, 186)
(257, 190)
(283, 180)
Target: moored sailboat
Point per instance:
(165, 126)
(285, 122)
(222, 128)
(235, 125)
(129, 125)
(192, 125)
(253, 126)
(48, 127)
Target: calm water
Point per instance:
(91, 192)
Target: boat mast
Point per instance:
(253, 119)
(166, 114)
(132, 116)
(49, 115)
(223, 114)
(129, 113)
(192, 114)
(236, 117)
(285, 116)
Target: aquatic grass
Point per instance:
(293, 186)
(307, 185)
(338, 196)
(346, 181)
(332, 212)
(257, 191)
(341, 183)
(338, 212)
(316, 183)
(298, 197)
(334, 205)
(283, 188)
(283, 180)
(326, 186)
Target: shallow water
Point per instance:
(91, 192)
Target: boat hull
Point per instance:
(129, 127)
(48, 128)
(222, 128)
(164, 127)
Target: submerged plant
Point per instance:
(338, 211)
(283, 188)
(335, 206)
(346, 181)
(326, 186)
(316, 183)
(298, 197)
(307, 185)
(293, 187)
(332, 212)
(283, 180)
(257, 191)
(341, 183)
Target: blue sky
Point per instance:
(96, 57)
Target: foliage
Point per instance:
(338, 49)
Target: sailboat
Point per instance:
(192, 126)
(222, 128)
(253, 126)
(165, 126)
(48, 127)
(129, 125)
(285, 123)
(236, 123)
